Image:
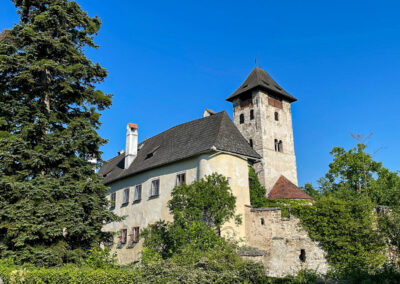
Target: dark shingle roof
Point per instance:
(181, 142)
(258, 78)
(285, 189)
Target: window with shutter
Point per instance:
(135, 235)
(123, 235)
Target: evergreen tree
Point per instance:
(52, 204)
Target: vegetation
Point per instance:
(52, 204)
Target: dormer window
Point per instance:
(241, 118)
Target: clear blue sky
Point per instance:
(168, 60)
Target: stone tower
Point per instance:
(261, 111)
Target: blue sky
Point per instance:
(168, 60)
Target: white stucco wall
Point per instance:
(149, 210)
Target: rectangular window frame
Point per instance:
(178, 179)
(123, 236)
(125, 197)
(155, 191)
(113, 200)
(138, 193)
(134, 236)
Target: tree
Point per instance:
(52, 204)
(257, 191)
(209, 200)
(310, 190)
(199, 210)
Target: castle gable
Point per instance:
(285, 189)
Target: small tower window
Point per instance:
(278, 145)
(251, 114)
(241, 118)
(276, 116)
(302, 255)
(262, 221)
(251, 143)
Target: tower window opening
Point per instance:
(251, 143)
(251, 114)
(302, 255)
(262, 221)
(241, 118)
(276, 143)
(276, 116)
(280, 146)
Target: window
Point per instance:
(113, 198)
(138, 192)
(251, 143)
(180, 179)
(302, 255)
(278, 145)
(241, 118)
(251, 114)
(276, 116)
(122, 236)
(155, 187)
(134, 235)
(126, 196)
(262, 221)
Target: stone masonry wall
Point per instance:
(263, 130)
(282, 240)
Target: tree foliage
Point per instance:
(199, 210)
(343, 217)
(258, 197)
(52, 204)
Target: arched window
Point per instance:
(251, 114)
(276, 116)
(241, 118)
(276, 145)
(251, 143)
(280, 146)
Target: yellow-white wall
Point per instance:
(150, 210)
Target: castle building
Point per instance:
(142, 177)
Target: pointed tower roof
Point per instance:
(258, 78)
(285, 189)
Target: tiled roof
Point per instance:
(258, 78)
(181, 142)
(285, 189)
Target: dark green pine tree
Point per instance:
(52, 204)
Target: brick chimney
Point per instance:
(131, 144)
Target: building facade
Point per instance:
(142, 177)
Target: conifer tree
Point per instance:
(52, 204)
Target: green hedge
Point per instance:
(68, 274)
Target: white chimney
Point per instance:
(131, 144)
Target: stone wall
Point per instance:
(286, 245)
(263, 130)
